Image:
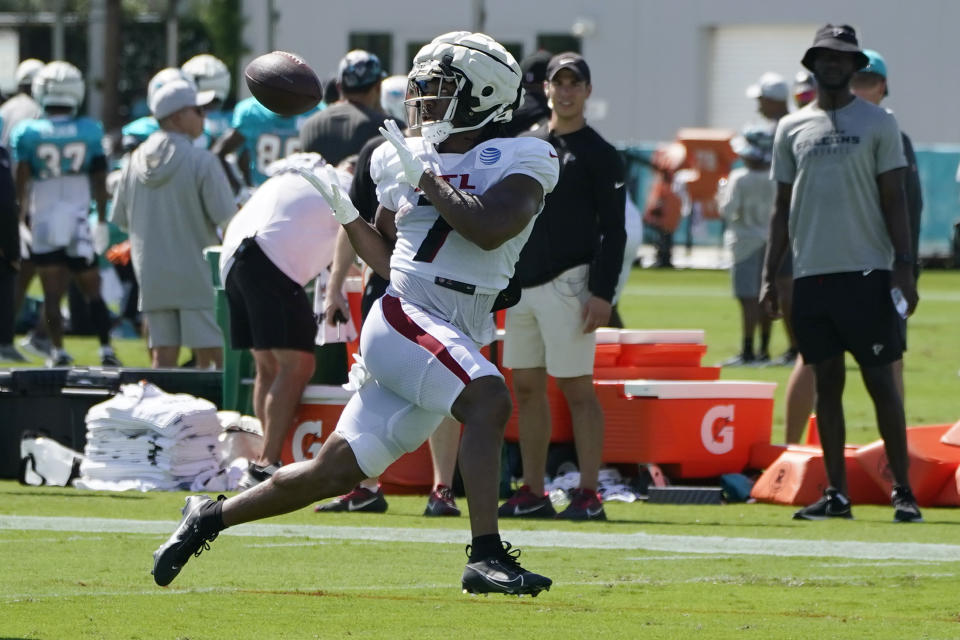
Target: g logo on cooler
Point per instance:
(722, 442)
(307, 440)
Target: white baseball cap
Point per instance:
(176, 95)
(770, 85)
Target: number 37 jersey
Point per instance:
(426, 244)
(59, 151)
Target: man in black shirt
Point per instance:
(568, 270)
(534, 111)
(341, 129)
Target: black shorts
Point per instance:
(268, 310)
(60, 257)
(850, 311)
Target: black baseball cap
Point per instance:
(841, 38)
(534, 67)
(569, 60)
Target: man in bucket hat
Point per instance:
(839, 166)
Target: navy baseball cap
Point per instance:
(359, 69)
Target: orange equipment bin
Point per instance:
(694, 429)
(316, 418)
(709, 152)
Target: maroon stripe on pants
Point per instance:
(410, 330)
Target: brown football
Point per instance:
(283, 83)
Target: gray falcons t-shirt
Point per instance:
(833, 158)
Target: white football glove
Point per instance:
(328, 184)
(358, 375)
(101, 237)
(413, 165)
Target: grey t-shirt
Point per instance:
(833, 158)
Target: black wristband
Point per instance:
(902, 258)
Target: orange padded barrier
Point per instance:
(949, 496)
(798, 477)
(952, 436)
(932, 463)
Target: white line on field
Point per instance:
(548, 538)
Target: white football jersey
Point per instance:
(426, 244)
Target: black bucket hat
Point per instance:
(836, 38)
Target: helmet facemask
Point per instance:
(439, 102)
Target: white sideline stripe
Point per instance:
(550, 538)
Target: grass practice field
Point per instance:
(76, 564)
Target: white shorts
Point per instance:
(193, 328)
(420, 365)
(545, 329)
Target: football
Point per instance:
(283, 83)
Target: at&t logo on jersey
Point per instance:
(489, 156)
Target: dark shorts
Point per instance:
(268, 310)
(850, 311)
(60, 257)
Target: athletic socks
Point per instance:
(487, 546)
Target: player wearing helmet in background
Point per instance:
(209, 73)
(258, 136)
(60, 162)
(21, 106)
(460, 213)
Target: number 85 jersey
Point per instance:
(426, 244)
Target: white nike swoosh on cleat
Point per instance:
(594, 512)
(520, 511)
(356, 506)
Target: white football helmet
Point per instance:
(27, 70)
(393, 93)
(209, 74)
(164, 76)
(58, 84)
(473, 74)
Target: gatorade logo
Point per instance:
(718, 441)
(307, 440)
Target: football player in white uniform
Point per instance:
(460, 214)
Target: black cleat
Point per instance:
(186, 541)
(441, 503)
(905, 507)
(359, 499)
(502, 574)
(833, 504)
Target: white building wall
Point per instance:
(650, 59)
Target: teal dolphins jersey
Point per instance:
(57, 146)
(140, 129)
(217, 123)
(267, 135)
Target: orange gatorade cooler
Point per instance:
(691, 428)
(661, 348)
(316, 418)
(607, 350)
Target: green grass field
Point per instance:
(80, 569)
(76, 564)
